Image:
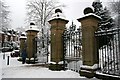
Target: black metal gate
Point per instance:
(43, 50)
(108, 45)
(109, 51)
(72, 48)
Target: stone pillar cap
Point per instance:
(8, 34)
(14, 35)
(32, 28)
(97, 0)
(58, 15)
(88, 15)
(88, 12)
(1, 32)
(23, 35)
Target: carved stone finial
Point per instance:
(58, 10)
(32, 23)
(88, 10)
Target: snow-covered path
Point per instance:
(0, 65)
(18, 70)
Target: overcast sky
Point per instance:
(73, 10)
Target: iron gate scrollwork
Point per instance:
(42, 52)
(72, 48)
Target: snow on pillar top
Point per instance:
(32, 27)
(89, 12)
(97, 0)
(58, 15)
(1, 32)
(23, 36)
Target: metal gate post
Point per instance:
(89, 23)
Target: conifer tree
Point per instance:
(106, 20)
(105, 24)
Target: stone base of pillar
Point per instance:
(88, 71)
(31, 60)
(56, 67)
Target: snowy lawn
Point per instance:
(18, 70)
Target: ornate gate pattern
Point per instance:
(72, 48)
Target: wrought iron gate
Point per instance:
(109, 51)
(43, 50)
(72, 48)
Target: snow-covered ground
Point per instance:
(0, 65)
(18, 70)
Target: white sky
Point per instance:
(73, 10)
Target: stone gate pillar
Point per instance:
(31, 35)
(22, 44)
(89, 24)
(2, 39)
(58, 23)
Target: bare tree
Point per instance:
(20, 29)
(4, 16)
(40, 11)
